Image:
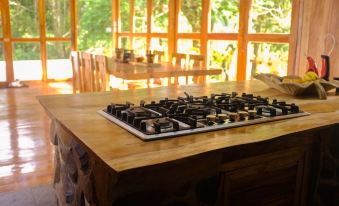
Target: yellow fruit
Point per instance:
(291, 79)
(310, 76)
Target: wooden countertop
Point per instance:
(123, 151)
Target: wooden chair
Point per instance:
(88, 71)
(101, 76)
(159, 56)
(196, 60)
(177, 58)
(78, 84)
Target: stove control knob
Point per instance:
(157, 127)
(252, 114)
(176, 126)
(242, 115)
(143, 126)
(233, 116)
(124, 116)
(294, 108)
(221, 118)
(211, 118)
(130, 119)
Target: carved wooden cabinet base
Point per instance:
(298, 169)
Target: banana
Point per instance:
(292, 79)
(310, 76)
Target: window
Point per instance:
(58, 63)
(24, 18)
(223, 54)
(224, 16)
(124, 23)
(189, 46)
(140, 16)
(267, 58)
(139, 46)
(160, 16)
(2, 64)
(190, 16)
(270, 16)
(139, 37)
(27, 54)
(269, 53)
(95, 28)
(58, 20)
(124, 42)
(212, 28)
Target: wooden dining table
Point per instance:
(142, 70)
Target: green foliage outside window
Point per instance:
(224, 16)
(273, 16)
(190, 10)
(140, 16)
(24, 16)
(160, 16)
(124, 15)
(95, 26)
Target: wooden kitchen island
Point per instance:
(287, 162)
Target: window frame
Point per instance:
(8, 40)
(243, 37)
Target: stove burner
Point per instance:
(190, 114)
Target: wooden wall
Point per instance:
(318, 19)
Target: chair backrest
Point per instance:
(101, 68)
(197, 60)
(88, 71)
(78, 85)
(178, 57)
(159, 56)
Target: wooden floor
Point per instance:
(26, 155)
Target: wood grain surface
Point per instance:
(122, 151)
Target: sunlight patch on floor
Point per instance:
(62, 87)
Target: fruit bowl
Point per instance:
(309, 88)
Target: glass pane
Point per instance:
(58, 18)
(160, 44)
(124, 42)
(188, 46)
(140, 16)
(24, 18)
(190, 16)
(2, 64)
(95, 26)
(223, 54)
(27, 63)
(267, 58)
(58, 64)
(139, 46)
(224, 16)
(270, 16)
(160, 16)
(124, 23)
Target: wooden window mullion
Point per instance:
(131, 25)
(43, 49)
(204, 29)
(7, 41)
(149, 23)
(244, 11)
(172, 27)
(74, 21)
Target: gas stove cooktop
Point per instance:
(189, 114)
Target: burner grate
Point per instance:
(189, 114)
